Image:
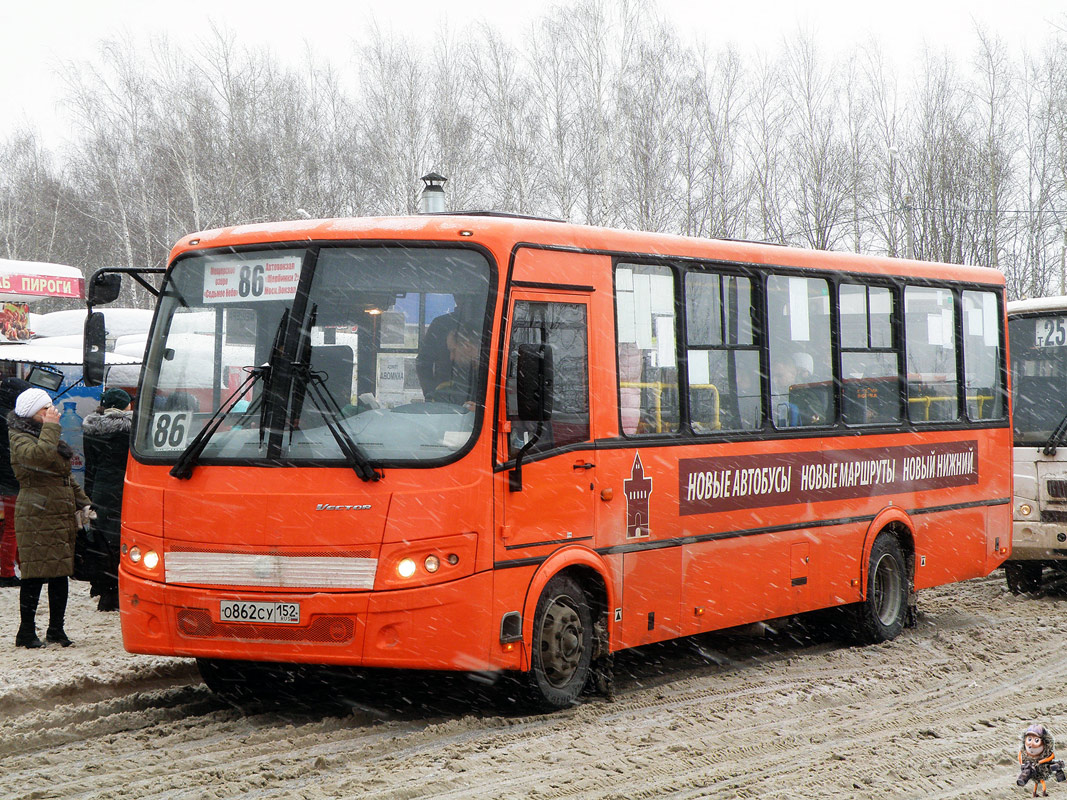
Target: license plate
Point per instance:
(249, 611)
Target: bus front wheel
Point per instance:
(562, 646)
(882, 614)
(1024, 577)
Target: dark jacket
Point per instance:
(10, 389)
(433, 363)
(47, 499)
(106, 441)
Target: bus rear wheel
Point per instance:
(1024, 577)
(562, 646)
(882, 614)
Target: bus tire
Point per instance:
(562, 646)
(1023, 577)
(882, 614)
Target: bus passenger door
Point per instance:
(550, 499)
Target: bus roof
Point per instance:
(501, 233)
(1037, 304)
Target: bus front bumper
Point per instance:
(1038, 541)
(445, 626)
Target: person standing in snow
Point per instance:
(10, 389)
(48, 511)
(106, 438)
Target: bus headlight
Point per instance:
(150, 559)
(135, 554)
(423, 562)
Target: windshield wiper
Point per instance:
(304, 378)
(1057, 436)
(183, 467)
(331, 415)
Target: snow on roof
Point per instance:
(56, 355)
(117, 321)
(26, 281)
(1038, 304)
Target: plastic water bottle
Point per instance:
(71, 425)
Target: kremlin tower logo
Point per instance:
(637, 488)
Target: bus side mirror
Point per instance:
(103, 288)
(534, 379)
(93, 347)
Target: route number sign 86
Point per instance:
(170, 430)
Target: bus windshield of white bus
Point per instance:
(1039, 375)
(289, 354)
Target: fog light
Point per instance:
(135, 554)
(151, 559)
(432, 563)
(406, 568)
(1025, 510)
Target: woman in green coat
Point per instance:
(45, 522)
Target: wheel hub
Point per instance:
(562, 642)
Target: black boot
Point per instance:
(29, 596)
(57, 609)
(57, 636)
(109, 596)
(28, 639)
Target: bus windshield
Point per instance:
(1039, 375)
(303, 350)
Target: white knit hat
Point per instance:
(31, 401)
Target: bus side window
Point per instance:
(563, 327)
(870, 361)
(930, 331)
(981, 356)
(722, 358)
(798, 332)
(648, 368)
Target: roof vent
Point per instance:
(433, 195)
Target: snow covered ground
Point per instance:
(935, 714)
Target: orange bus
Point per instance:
(477, 442)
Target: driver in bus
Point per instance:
(433, 364)
(458, 386)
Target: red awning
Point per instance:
(26, 281)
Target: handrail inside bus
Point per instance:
(658, 387)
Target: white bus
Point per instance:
(1038, 344)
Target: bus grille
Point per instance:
(1057, 489)
(269, 570)
(196, 623)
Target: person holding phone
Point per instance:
(49, 507)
